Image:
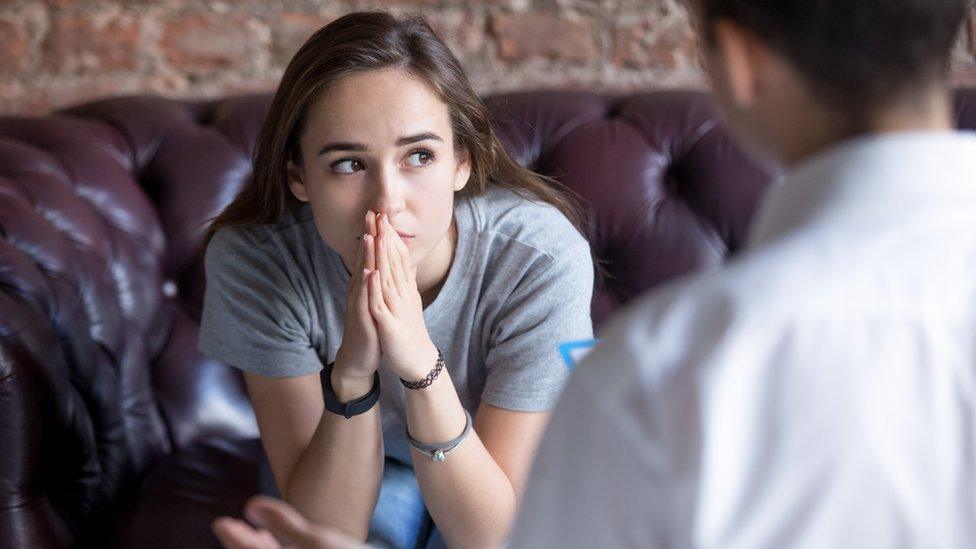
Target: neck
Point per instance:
(433, 271)
(928, 112)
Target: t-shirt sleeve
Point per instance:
(549, 306)
(254, 315)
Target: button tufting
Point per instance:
(169, 289)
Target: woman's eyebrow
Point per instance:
(359, 147)
(418, 137)
(343, 147)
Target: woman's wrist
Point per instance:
(426, 360)
(347, 386)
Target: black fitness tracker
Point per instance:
(351, 408)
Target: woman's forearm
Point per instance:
(468, 495)
(336, 480)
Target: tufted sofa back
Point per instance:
(102, 212)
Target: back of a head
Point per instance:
(854, 54)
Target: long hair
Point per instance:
(369, 41)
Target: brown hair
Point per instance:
(368, 41)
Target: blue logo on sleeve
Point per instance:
(573, 352)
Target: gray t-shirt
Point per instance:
(519, 285)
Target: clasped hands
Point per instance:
(384, 312)
(384, 317)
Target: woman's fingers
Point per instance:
(369, 242)
(396, 258)
(383, 261)
(362, 301)
(377, 307)
(357, 286)
(399, 276)
(401, 247)
(371, 223)
(369, 245)
(358, 267)
(404, 253)
(360, 256)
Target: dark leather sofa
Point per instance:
(114, 430)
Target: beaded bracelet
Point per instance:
(426, 382)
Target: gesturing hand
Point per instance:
(395, 304)
(284, 525)
(359, 355)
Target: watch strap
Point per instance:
(353, 407)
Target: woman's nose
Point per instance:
(388, 197)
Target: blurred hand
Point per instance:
(279, 525)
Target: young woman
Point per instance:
(394, 287)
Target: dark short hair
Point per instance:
(854, 54)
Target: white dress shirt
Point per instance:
(819, 391)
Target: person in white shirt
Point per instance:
(819, 391)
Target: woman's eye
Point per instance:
(419, 159)
(347, 166)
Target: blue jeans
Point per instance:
(400, 519)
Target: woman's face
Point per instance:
(380, 141)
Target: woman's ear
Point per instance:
(296, 182)
(463, 172)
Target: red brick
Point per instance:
(14, 47)
(201, 43)
(55, 96)
(650, 44)
(402, 3)
(290, 30)
(10, 97)
(462, 32)
(69, 91)
(61, 3)
(545, 36)
(260, 83)
(92, 43)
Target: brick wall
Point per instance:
(59, 52)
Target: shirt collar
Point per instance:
(867, 174)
